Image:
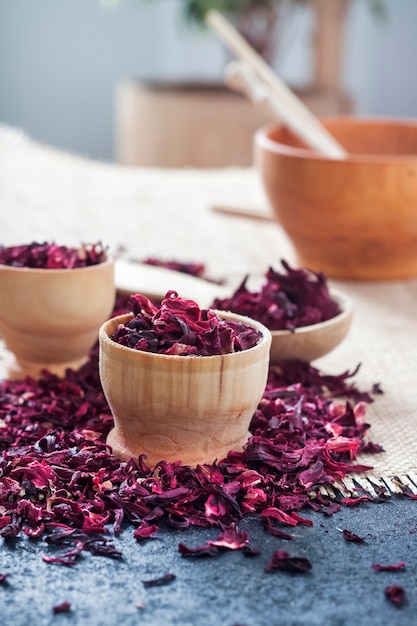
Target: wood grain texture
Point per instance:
(50, 318)
(180, 126)
(188, 408)
(175, 126)
(353, 218)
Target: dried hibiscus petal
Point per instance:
(395, 593)
(145, 530)
(68, 557)
(348, 535)
(200, 551)
(372, 448)
(64, 607)
(180, 327)
(389, 568)
(286, 301)
(250, 552)
(101, 547)
(355, 501)
(194, 269)
(231, 539)
(158, 582)
(281, 560)
(51, 256)
(276, 532)
(11, 528)
(59, 481)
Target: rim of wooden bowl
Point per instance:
(344, 317)
(266, 336)
(48, 270)
(263, 140)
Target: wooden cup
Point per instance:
(355, 217)
(181, 408)
(49, 318)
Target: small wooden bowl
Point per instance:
(49, 318)
(308, 343)
(352, 218)
(181, 408)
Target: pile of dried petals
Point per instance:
(285, 301)
(59, 481)
(179, 327)
(51, 256)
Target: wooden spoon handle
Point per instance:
(154, 282)
(239, 77)
(282, 100)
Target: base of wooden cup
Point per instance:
(152, 445)
(19, 370)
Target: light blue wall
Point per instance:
(60, 61)
(381, 59)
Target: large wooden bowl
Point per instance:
(49, 318)
(181, 408)
(353, 218)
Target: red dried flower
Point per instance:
(348, 535)
(180, 327)
(389, 568)
(64, 607)
(199, 551)
(395, 593)
(145, 530)
(59, 481)
(281, 560)
(231, 539)
(158, 582)
(51, 256)
(355, 501)
(285, 301)
(68, 557)
(372, 448)
(194, 269)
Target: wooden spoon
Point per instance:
(257, 79)
(240, 77)
(154, 282)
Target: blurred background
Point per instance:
(65, 65)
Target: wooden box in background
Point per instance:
(200, 125)
(183, 125)
(195, 126)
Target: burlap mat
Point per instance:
(48, 195)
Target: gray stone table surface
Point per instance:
(341, 589)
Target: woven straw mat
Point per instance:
(46, 195)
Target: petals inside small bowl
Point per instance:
(308, 343)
